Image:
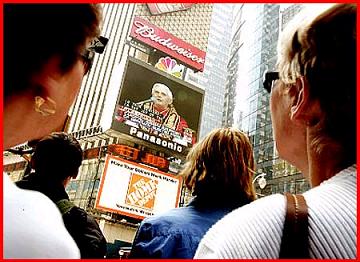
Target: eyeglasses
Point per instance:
(268, 79)
(97, 45)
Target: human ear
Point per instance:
(304, 110)
(48, 78)
(299, 95)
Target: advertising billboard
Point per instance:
(134, 190)
(151, 35)
(158, 108)
(158, 9)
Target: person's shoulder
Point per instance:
(261, 220)
(78, 210)
(170, 215)
(86, 232)
(336, 195)
(163, 236)
(30, 200)
(341, 185)
(161, 218)
(270, 206)
(31, 215)
(78, 216)
(273, 202)
(346, 178)
(168, 222)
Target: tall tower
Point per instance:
(213, 78)
(233, 67)
(260, 27)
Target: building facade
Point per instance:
(91, 118)
(258, 34)
(233, 67)
(214, 77)
(191, 26)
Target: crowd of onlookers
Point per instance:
(313, 111)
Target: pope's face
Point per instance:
(160, 96)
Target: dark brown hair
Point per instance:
(57, 156)
(221, 165)
(34, 33)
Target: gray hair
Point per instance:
(290, 61)
(321, 46)
(166, 88)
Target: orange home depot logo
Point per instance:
(141, 191)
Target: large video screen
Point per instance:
(158, 108)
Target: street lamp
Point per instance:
(261, 181)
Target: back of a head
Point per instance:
(322, 47)
(33, 33)
(57, 157)
(221, 166)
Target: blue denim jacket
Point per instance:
(176, 233)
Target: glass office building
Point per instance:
(259, 31)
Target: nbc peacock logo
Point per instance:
(169, 66)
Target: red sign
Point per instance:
(134, 154)
(153, 36)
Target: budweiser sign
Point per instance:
(155, 37)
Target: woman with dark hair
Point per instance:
(47, 51)
(218, 172)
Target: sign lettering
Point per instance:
(155, 37)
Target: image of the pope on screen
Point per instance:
(158, 108)
(161, 103)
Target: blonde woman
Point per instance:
(313, 110)
(218, 172)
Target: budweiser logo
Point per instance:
(146, 31)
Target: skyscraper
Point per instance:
(213, 78)
(258, 35)
(235, 58)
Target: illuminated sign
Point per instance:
(153, 36)
(170, 66)
(134, 190)
(140, 113)
(155, 139)
(137, 155)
